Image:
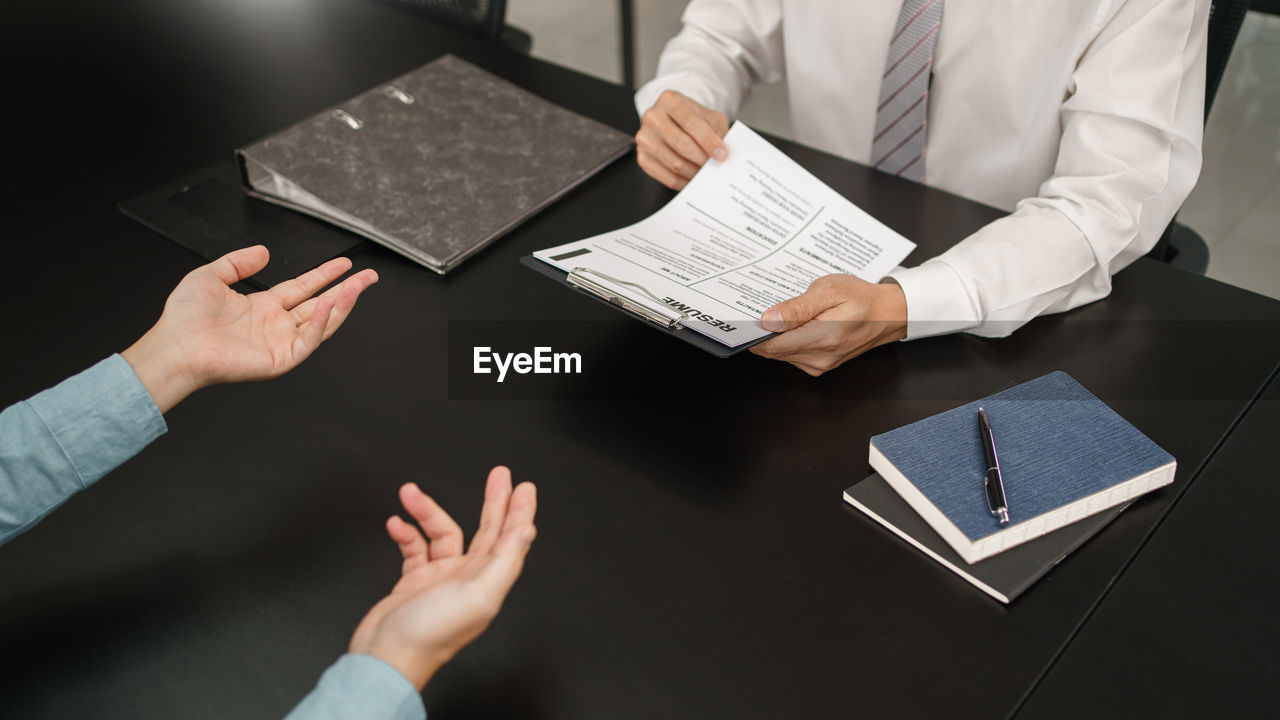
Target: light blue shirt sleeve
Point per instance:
(361, 687)
(59, 442)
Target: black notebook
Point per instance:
(435, 164)
(1004, 576)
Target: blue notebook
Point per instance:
(1064, 455)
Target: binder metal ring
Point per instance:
(657, 312)
(352, 121)
(398, 94)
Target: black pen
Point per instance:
(994, 483)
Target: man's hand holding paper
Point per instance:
(744, 236)
(837, 319)
(677, 136)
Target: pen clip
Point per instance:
(998, 510)
(986, 490)
(649, 306)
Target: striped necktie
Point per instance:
(901, 113)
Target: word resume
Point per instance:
(742, 236)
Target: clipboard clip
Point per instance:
(648, 306)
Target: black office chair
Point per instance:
(486, 18)
(1181, 246)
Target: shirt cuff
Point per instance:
(691, 85)
(361, 687)
(100, 418)
(937, 302)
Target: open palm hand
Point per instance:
(212, 334)
(446, 597)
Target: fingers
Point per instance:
(521, 508)
(497, 494)
(657, 149)
(344, 296)
(327, 314)
(720, 124)
(293, 292)
(656, 170)
(807, 340)
(513, 544)
(444, 535)
(791, 314)
(806, 346)
(676, 137)
(839, 317)
(413, 547)
(503, 570)
(692, 118)
(312, 332)
(238, 264)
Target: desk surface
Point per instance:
(1190, 629)
(694, 557)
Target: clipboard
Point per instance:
(635, 300)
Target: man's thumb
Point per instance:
(791, 314)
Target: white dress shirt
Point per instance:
(1083, 118)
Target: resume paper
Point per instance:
(742, 236)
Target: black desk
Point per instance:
(695, 559)
(1190, 629)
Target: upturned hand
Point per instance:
(446, 597)
(209, 333)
